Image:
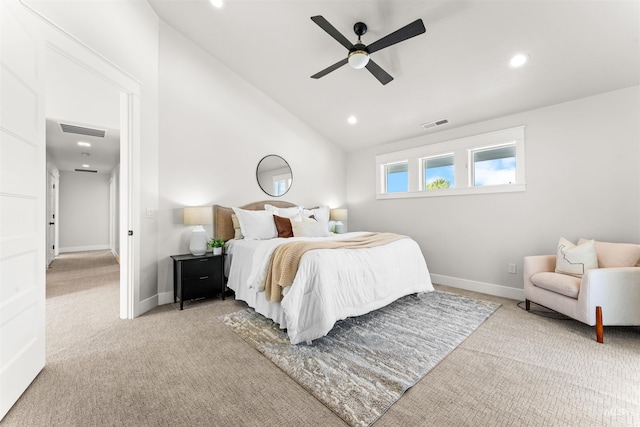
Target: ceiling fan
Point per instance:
(359, 53)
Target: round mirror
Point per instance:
(274, 175)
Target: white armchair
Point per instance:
(612, 289)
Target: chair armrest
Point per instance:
(616, 290)
(537, 264)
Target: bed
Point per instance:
(329, 285)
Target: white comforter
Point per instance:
(331, 284)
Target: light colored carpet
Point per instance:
(185, 368)
(366, 363)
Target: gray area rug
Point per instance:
(366, 363)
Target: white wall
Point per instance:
(84, 211)
(214, 129)
(583, 180)
(77, 95)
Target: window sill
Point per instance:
(489, 189)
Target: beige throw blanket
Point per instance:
(284, 262)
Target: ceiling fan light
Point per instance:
(358, 59)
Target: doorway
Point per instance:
(124, 109)
(83, 158)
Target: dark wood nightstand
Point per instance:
(197, 276)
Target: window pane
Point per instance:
(279, 187)
(495, 166)
(397, 177)
(438, 172)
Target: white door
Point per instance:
(22, 203)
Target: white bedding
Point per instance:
(331, 284)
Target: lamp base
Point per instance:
(199, 239)
(340, 228)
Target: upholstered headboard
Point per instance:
(222, 223)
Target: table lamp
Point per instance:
(339, 215)
(198, 216)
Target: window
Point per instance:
(281, 184)
(397, 177)
(279, 187)
(488, 163)
(438, 172)
(494, 165)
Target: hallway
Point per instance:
(83, 297)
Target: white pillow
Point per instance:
(321, 215)
(308, 228)
(575, 260)
(256, 225)
(292, 212)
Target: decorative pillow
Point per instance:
(256, 225)
(309, 228)
(283, 225)
(236, 227)
(575, 260)
(321, 214)
(283, 212)
(616, 254)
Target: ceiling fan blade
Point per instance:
(330, 69)
(330, 29)
(414, 29)
(378, 72)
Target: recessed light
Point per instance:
(217, 3)
(519, 60)
(352, 120)
(84, 144)
(86, 166)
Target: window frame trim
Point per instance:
(385, 181)
(461, 149)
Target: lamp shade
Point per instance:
(199, 215)
(339, 214)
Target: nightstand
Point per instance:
(197, 276)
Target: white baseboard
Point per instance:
(147, 305)
(165, 298)
(116, 255)
(485, 288)
(84, 248)
(154, 301)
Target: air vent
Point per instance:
(82, 130)
(86, 170)
(435, 123)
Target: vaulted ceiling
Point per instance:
(458, 70)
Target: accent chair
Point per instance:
(606, 294)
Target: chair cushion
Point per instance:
(616, 254)
(558, 283)
(575, 260)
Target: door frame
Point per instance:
(63, 43)
(53, 180)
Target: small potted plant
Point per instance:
(217, 245)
